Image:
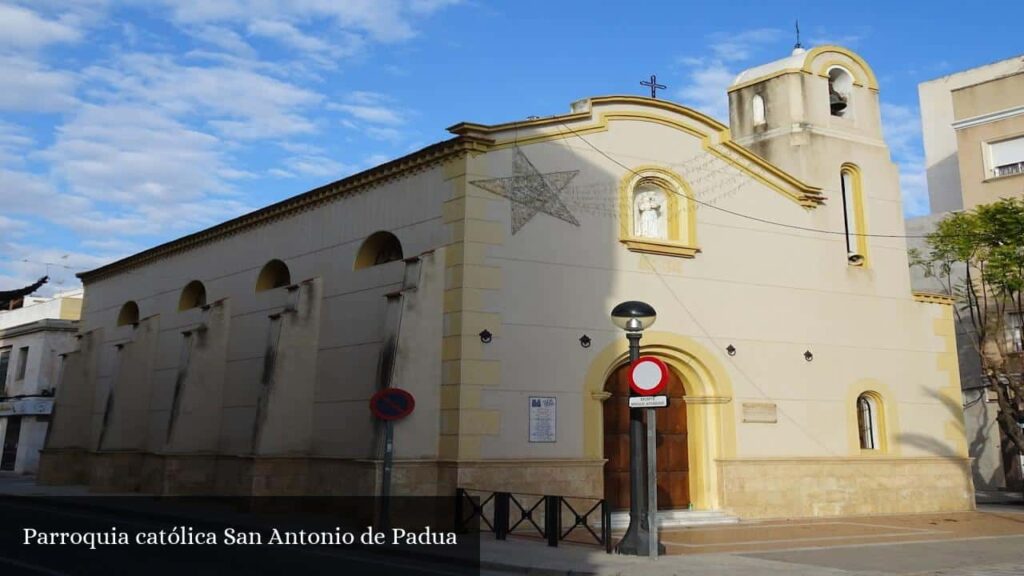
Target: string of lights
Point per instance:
(751, 217)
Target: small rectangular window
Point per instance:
(1014, 332)
(22, 363)
(5, 360)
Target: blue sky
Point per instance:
(124, 124)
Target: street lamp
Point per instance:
(634, 317)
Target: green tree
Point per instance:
(978, 256)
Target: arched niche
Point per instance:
(129, 314)
(379, 248)
(274, 274)
(193, 295)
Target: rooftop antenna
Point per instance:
(798, 48)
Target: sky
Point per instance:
(128, 123)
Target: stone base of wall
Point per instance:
(63, 467)
(115, 471)
(206, 474)
(582, 478)
(810, 487)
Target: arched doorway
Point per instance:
(673, 456)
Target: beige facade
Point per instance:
(989, 117)
(940, 139)
(517, 240)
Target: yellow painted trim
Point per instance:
(858, 78)
(859, 218)
(682, 231)
(863, 77)
(464, 370)
(933, 298)
(654, 246)
(871, 81)
(715, 138)
(711, 422)
(888, 418)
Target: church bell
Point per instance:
(836, 101)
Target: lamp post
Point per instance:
(634, 317)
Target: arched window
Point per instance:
(869, 421)
(129, 314)
(758, 111)
(853, 215)
(840, 89)
(379, 248)
(274, 274)
(650, 211)
(192, 296)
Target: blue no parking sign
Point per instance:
(392, 404)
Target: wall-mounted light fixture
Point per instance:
(486, 336)
(808, 356)
(585, 341)
(731, 350)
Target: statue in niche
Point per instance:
(650, 209)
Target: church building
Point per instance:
(478, 274)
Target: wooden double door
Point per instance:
(673, 457)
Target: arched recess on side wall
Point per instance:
(709, 411)
(129, 314)
(379, 248)
(193, 295)
(275, 274)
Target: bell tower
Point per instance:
(816, 114)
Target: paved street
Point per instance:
(989, 542)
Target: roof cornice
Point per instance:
(375, 176)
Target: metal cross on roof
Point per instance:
(654, 85)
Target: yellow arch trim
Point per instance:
(681, 231)
(863, 77)
(861, 241)
(711, 421)
(870, 80)
(888, 418)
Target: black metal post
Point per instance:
(606, 526)
(459, 495)
(501, 500)
(553, 519)
(635, 541)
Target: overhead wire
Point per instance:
(743, 215)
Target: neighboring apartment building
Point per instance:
(940, 139)
(989, 124)
(32, 338)
(973, 129)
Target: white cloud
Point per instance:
(14, 141)
(706, 90)
(21, 28)
(30, 86)
(224, 38)
(241, 103)
(373, 114)
(709, 77)
(379, 20)
(902, 128)
(25, 263)
(320, 166)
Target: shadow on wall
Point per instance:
(929, 444)
(983, 479)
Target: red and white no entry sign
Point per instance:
(648, 376)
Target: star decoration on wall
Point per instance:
(531, 192)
